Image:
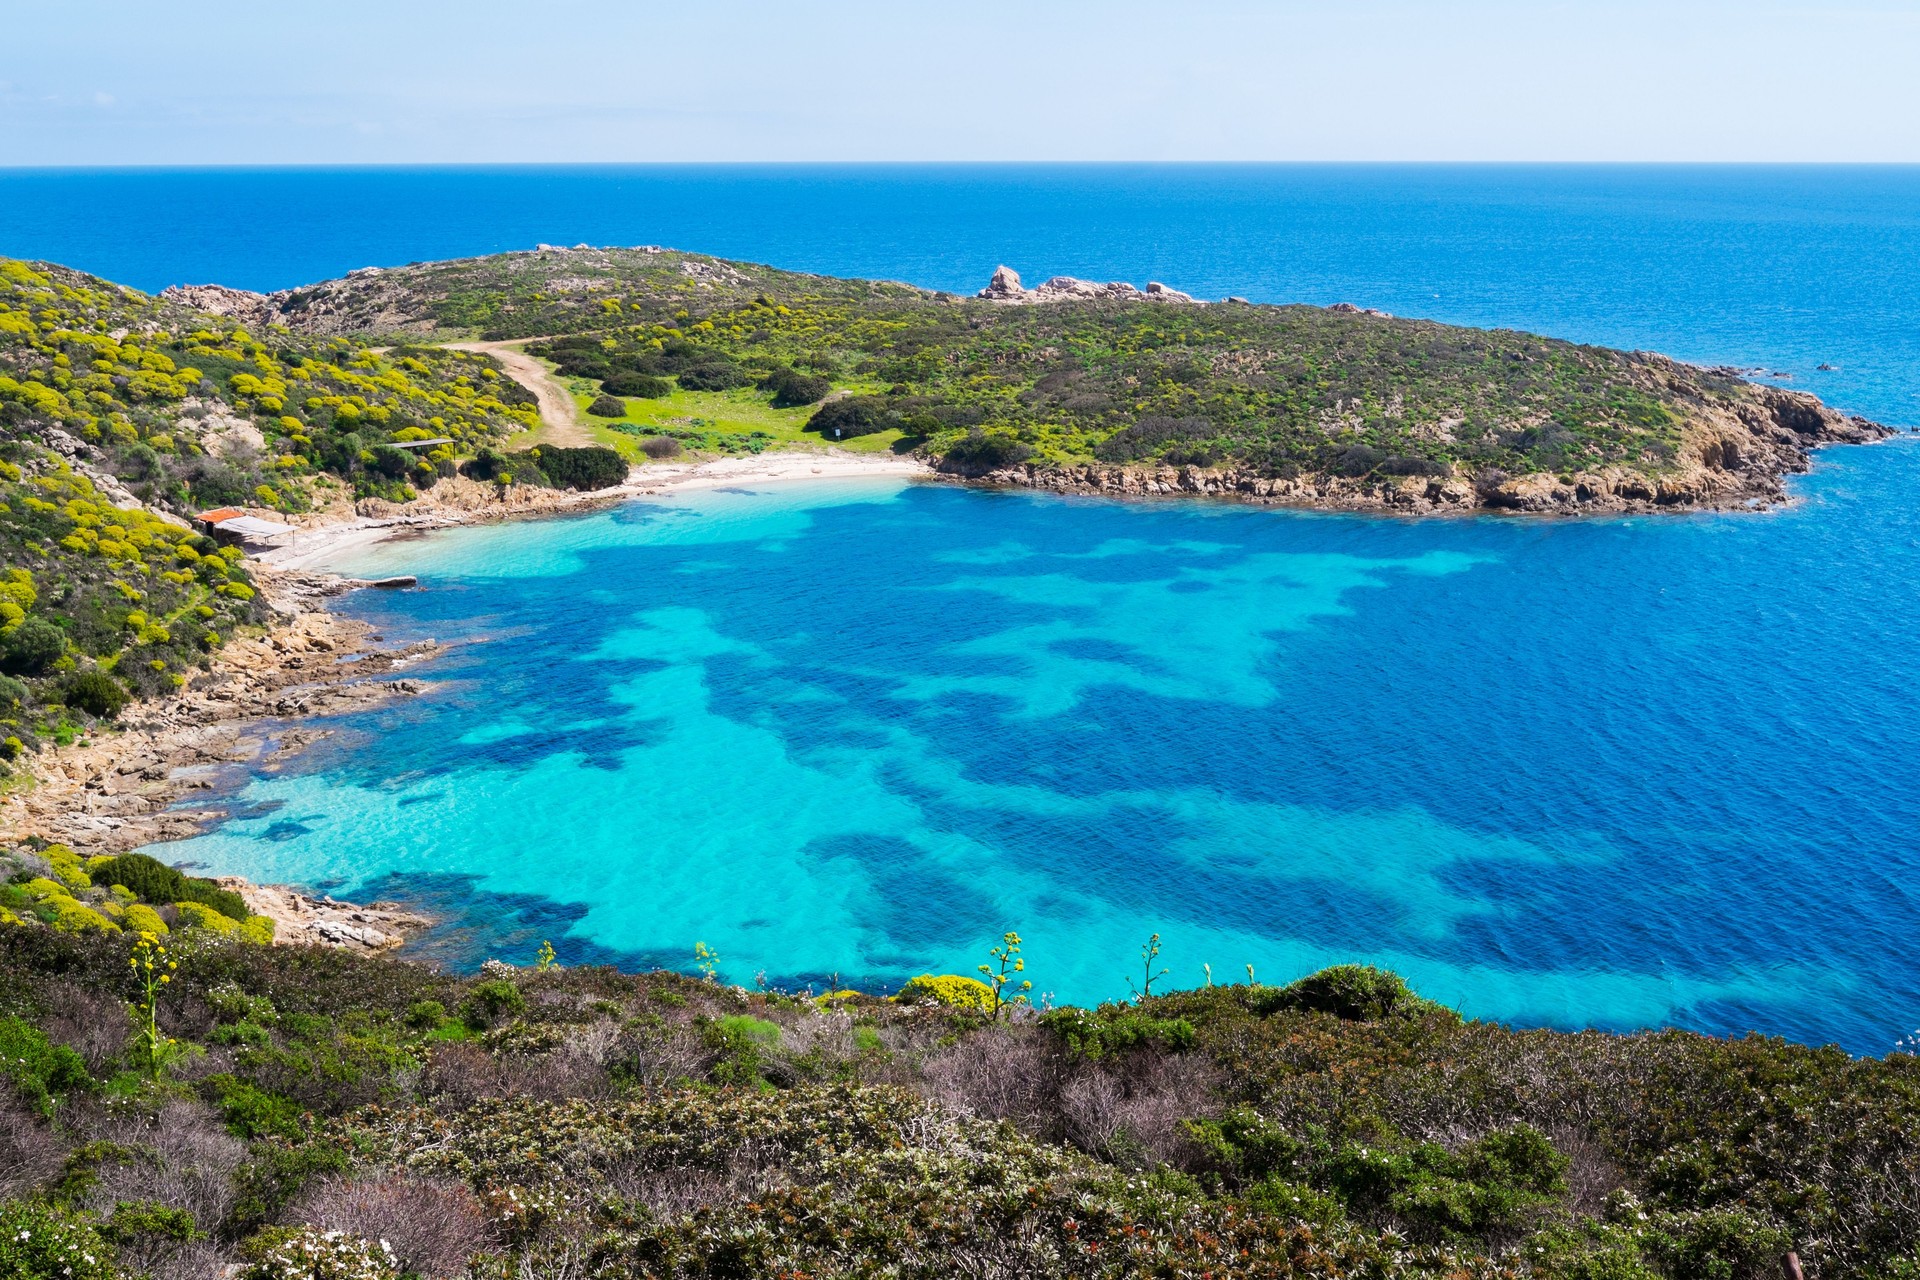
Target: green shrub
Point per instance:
(32, 647)
(977, 451)
(713, 375)
(490, 1001)
(96, 693)
(42, 1243)
(12, 693)
(659, 448)
(275, 1174)
(425, 1015)
(1113, 1029)
(792, 389)
(42, 1072)
(250, 1111)
(134, 1219)
(592, 467)
(851, 416)
(1350, 992)
(742, 1043)
(155, 882)
(1490, 1184)
(608, 407)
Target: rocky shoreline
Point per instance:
(1741, 461)
(115, 792)
(118, 791)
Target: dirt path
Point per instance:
(560, 422)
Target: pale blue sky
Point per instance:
(293, 81)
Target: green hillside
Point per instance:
(306, 1114)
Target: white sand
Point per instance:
(313, 548)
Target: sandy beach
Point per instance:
(460, 501)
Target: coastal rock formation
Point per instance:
(1738, 458)
(217, 299)
(117, 792)
(302, 920)
(1005, 287)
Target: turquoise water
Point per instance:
(1617, 773)
(1623, 773)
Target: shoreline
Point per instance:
(467, 502)
(253, 708)
(121, 790)
(117, 791)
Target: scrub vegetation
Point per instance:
(122, 416)
(320, 1114)
(1278, 390)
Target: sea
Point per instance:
(1621, 773)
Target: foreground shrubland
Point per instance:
(300, 1112)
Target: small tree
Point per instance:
(1007, 961)
(1148, 954)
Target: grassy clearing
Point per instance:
(711, 423)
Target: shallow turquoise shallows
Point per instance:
(1624, 773)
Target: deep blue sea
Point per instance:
(1621, 773)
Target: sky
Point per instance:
(88, 82)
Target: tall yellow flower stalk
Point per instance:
(152, 971)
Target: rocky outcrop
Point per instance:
(118, 791)
(247, 307)
(300, 919)
(1005, 287)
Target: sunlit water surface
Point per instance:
(1621, 773)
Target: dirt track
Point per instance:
(560, 422)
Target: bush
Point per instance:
(1350, 992)
(96, 693)
(488, 1002)
(792, 389)
(41, 1243)
(12, 693)
(593, 467)
(308, 1254)
(742, 1043)
(660, 447)
(608, 407)
(432, 1226)
(1115, 1029)
(851, 416)
(976, 451)
(425, 1015)
(713, 375)
(197, 915)
(153, 881)
(949, 989)
(32, 647)
(641, 386)
(1405, 466)
(40, 1070)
